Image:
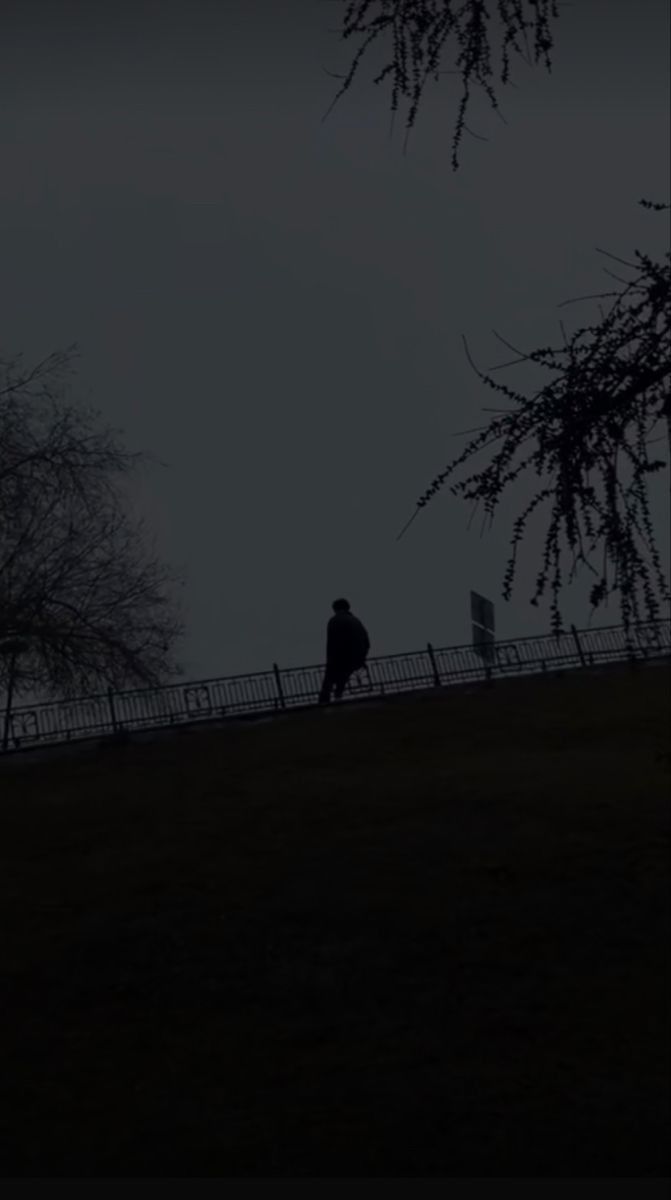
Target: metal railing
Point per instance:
(178, 704)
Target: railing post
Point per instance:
(578, 646)
(434, 665)
(110, 700)
(10, 696)
(278, 682)
(489, 658)
(8, 707)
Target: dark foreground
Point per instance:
(425, 938)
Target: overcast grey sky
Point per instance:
(274, 306)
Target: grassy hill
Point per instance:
(422, 937)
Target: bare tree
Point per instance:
(420, 33)
(84, 601)
(581, 434)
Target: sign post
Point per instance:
(10, 648)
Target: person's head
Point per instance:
(341, 605)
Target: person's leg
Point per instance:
(340, 681)
(327, 685)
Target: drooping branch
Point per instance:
(609, 390)
(420, 32)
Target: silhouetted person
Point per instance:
(347, 644)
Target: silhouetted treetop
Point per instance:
(84, 600)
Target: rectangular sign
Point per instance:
(482, 618)
(482, 612)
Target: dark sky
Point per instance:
(274, 306)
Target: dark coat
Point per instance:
(347, 642)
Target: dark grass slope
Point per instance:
(425, 938)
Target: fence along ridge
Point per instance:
(280, 689)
